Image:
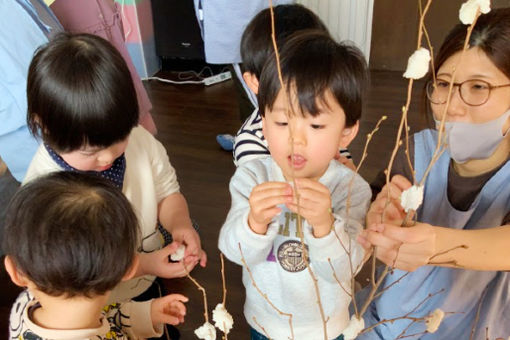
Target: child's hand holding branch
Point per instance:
(157, 263)
(314, 205)
(264, 199)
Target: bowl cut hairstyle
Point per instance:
(256, 41)
(80, 92)
(312, 63)
(71, 234)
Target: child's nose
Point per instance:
(106, 157)
(298, 135)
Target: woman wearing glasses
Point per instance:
(459, 249)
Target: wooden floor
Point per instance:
(188, 119)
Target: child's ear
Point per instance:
(16, 277)
(133, 269)
(252, 81)
(348, 135)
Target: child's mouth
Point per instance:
(297, 161)
(106, 167)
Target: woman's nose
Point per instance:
(457, 107)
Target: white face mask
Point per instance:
(468, 141)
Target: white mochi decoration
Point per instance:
(418, 64)
(222, 318)
(353, 328)
(412, 198)
(206, 332)
(179, 253)
(467, 12)
(434, 320)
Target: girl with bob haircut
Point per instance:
(82, 103)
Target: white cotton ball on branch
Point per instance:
(222, 318)
(179, 253)
(206, 332)
(412, 198)
(434, 320)
(418, 64)
(353, 328)
(467, 12)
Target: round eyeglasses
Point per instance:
(473, 92)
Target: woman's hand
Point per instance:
(404, 248)
(264, 199)
(168, 309)
(314, 205)
(390, 210)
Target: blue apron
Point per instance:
(464, 290)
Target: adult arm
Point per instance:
(422, 244)
(425, 244)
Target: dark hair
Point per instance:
(80, 92)
(491, 34)
(71, 234)
(256, 42)
(313, 63)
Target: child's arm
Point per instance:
(169, 309)
(174, 216)
(248, 223)
(145, 319)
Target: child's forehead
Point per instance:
(289, 101)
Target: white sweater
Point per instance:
(276, 262)
(149, 178)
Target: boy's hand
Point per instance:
(314, 205)
(168, 309)
(188, 236)
(157, 263)
(264, 199)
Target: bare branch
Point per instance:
(200, 288)
(243, 261)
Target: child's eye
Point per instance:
(87, 154)
(317, 126)
(281, 123)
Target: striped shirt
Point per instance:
(250, 143)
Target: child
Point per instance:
(70, 239)
(459, 246)
(256, 48)
(324, 82)
(82, 102)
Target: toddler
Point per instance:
(321, 105)
(69, 240)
